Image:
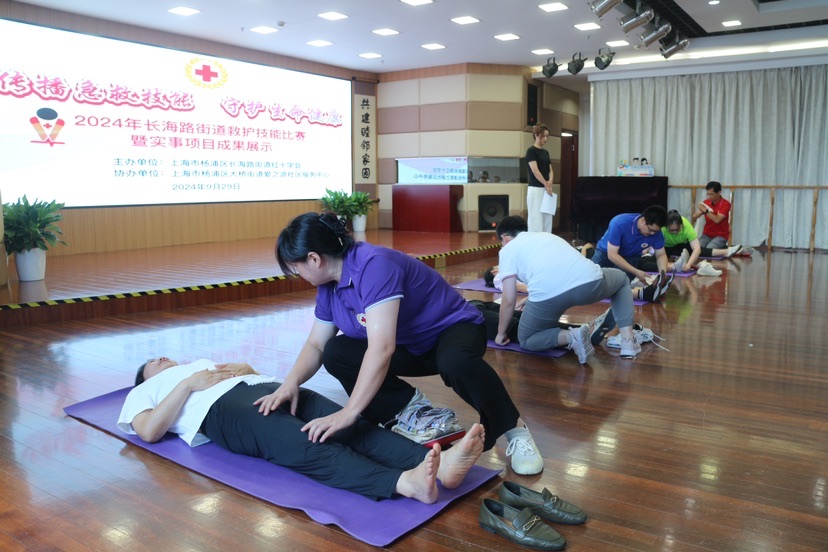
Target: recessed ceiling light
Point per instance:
(333, 16)
(714, 2)
(587, 26)
(506, 37)
(385, 32)
(184, 11)
(319, 43)
(465, 20)
(433, 45)
(263, 29)
(552, 7)
(617, 43)
(734, 23)
(370, 55)
(416, 2)
(543, 52)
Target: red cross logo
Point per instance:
(206, 73)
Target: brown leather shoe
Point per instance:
(519, 526)
(544, 504)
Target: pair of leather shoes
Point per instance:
(544, 504)
(519, 526)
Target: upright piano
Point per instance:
(596, 199)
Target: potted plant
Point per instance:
(336, 202)
(352, 206)
(30, 229)
(360, 204)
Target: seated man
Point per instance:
(203, 401)
(716, 212)
(559, 279)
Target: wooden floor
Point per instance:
(720, 444)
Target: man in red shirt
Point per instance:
(716, 212)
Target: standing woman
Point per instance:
(398, 317)
(540, 181)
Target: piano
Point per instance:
(596, 199)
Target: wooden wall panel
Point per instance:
(496, 116)
(394, 120)
(123, 228)
(444, 116)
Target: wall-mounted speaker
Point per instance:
(532, 105)
(491, 209)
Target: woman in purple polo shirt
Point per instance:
(398, 317)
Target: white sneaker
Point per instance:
(679, 264)
(629, 348)
(580, 341)
(732, 250)
(706, 269)
(526, 460)
(641, 335)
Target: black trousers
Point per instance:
(363, 458)
(457, 358)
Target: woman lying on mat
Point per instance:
(203, 401)
(398, 317)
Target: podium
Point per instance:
(426, 207)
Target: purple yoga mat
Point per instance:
(478, 285)
(512, 346)
(636, 302)
(375, 522)
(683, 274)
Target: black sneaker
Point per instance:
(652, 292)
(666, 281)
(603, 324)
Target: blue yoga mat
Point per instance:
(378, 523)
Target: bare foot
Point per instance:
(459, 459)
(420, 483)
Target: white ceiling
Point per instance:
(298, 23)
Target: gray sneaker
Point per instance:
(580, 342)
(602, 325)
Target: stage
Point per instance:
(141, 280)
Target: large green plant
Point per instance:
(31, 225)
(346, 204)
(361, 203)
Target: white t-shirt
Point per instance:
(547, 264)
(149, 394)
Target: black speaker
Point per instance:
(491, 209)
(532, 105)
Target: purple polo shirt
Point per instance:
(372, 275)
(623, 232)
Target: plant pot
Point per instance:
(359, 222)
(31, 265)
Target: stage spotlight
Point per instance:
(576, 65)
(678, 45)
(550, 68)
(640, 17)
(659, 32)
(602, 61)
(602, 7)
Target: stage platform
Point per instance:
(104, 284)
